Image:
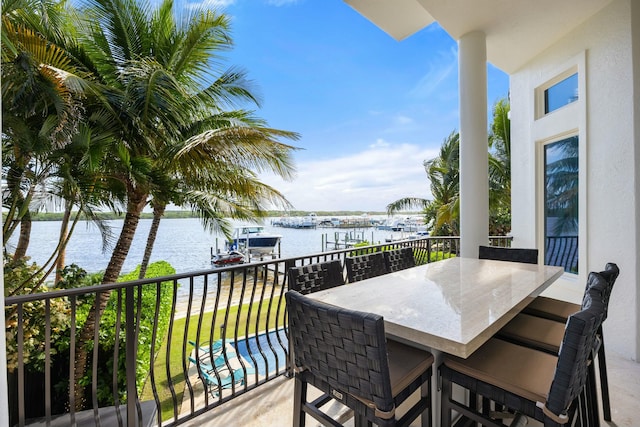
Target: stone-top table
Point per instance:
(452, 306)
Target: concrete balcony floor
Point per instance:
(272, 403)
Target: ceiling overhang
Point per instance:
(516, 30)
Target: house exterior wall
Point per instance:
(605, 120)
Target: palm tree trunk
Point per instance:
(158, 212)
(135, 205)
(64, 227)
(25, 235)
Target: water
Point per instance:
(184, 243)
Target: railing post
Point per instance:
(130, 362)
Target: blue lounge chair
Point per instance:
(219, 362)
(228, 381)
(216, 347)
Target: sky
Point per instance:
(370, 110)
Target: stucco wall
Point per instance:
(605, 121)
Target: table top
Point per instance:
(454, 305)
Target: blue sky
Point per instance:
(369, 109)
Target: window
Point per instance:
(560, 94)
(561, 203)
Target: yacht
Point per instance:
(254, 239)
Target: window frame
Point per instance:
(542, 89)
(564, 122)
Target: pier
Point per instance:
(345, 239)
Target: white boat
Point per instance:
(254, 240)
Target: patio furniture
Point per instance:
(543, 316)
(216, 383)
(365, 266)
(527, 381)
(399, 259)
(220, 363)
(529, 256)
(453, 305)
(344, 353)
(316, 277)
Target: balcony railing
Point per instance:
(180, 345)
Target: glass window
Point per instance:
(561, 204)
(561, 94)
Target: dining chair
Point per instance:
(543, 312)
(344, 354)
(316, 277)
(527, 381)
(365, 266)
(526, 255)
(546, 335)
(399, 259)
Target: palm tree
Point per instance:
(53, 126)
(500, 169)
(443, 171)
(443, 212)
(154, 66)
(217, 165)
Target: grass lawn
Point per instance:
(176, 354)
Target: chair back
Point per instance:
(575, 353)
(399, 259)
(528, 256)
(344, 350)
(365, 266)
(316, 277)
(610, 274)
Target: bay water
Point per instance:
(184, 243)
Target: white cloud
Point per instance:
(367, 181)
(403, 120)
(379, 143)
(441, 68)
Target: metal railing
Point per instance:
(181, 345)
(562, 251)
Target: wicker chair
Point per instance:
(529, 256)
(527, 381)
(345, 355)
(399, 259)
(538, 325)
(365, 266)
(316, 277)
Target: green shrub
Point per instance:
(75, 277)
(16, 273)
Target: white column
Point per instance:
(474, 163)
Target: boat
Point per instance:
(223, 259)
(252, 239)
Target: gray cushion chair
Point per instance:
(527, 381)
(538, 326)
(365, 266)
(316, 277)
(344, 354)
(399, 259)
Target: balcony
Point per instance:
(272, 404)
(223, 361)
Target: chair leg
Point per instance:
(592, 398)
(425, 393)
(445, 408)
(299, 400)
(604, 382)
